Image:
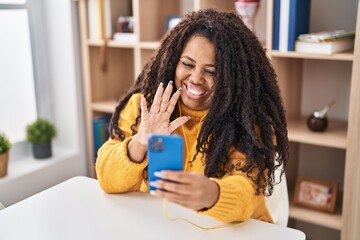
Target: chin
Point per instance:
(195, 105)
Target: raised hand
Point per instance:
(157, 120)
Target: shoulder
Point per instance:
(131, 109)
(132, 105)
(134, 100)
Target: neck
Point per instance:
(197, 115)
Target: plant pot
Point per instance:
(4, 159)
(42, 150)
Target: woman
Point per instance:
(211, 83)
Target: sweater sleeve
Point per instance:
(116, 173)
(238, 200)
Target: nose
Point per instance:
(196, 75)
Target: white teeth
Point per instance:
(195, 92)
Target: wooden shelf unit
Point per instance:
(344, 135)
(125, 60)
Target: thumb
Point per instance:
(178, 122)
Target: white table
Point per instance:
(79, 209)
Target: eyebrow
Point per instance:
(189, 58)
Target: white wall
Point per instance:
(64, 80)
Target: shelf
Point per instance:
(104, 107)
(342, 56)
(149, 45)
(112, 43)
(20, 166)
(334, 136)
(153, 45)
(333, 221)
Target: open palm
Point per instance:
(157, 120)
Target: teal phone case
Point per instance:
(165, 152)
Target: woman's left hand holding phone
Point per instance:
(155, 121)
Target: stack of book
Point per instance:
(326, 42)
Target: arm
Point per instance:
(115, 170)
(237, 198)
(120, 165)
(232, 198)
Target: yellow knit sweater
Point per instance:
(117, 173)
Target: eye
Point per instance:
(189, 65)
(212, 73)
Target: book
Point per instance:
(91, 18)
(284, 25)
(125, 37)
(299, 18)
(100, 125)
(112, 9)
(327, 35)
(95, 19)
(325, 47)
(276, 25)
(293, 20)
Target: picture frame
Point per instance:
(171, 22)
(315, 194)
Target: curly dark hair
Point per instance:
(246, 97)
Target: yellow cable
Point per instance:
(185, 137)
(187, 159)
(194, 224)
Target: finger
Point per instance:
(173, 187)
(155, 106)
(173, 197)
(143, 107)
(178, 122)
(176, 176)
(166, 96)
(173, 101)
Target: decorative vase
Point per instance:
(4, 159)
(248, 9)
(318, 121)
(42, 150)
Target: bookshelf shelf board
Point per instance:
(334, 136)
(150, 45)
(329, 220)
(112, 43)
(104, 107)
(342, 56)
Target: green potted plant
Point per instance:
(40, 134)
(5, 146)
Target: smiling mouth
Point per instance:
(195, 92)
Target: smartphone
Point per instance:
(165, 152)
